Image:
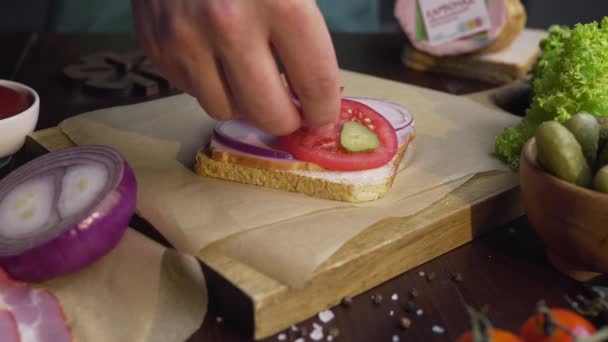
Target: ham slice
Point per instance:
(36, 312)
(8, 327)
(507, 18)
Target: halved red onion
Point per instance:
(398, 116)
(243, 136)
(63, 211)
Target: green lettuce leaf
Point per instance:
(570, 77)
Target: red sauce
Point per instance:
(12, 102)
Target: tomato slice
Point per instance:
(325, 149)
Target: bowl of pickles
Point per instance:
(564, 186)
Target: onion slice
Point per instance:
(63, 211)
(398, 116)
(243, 136)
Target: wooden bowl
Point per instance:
(571, 220)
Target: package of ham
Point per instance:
(457, 27)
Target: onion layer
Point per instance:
(241, 135)
(63, 211)
(398, 116)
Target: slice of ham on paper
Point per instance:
(36, 313)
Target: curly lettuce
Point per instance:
(570, 77)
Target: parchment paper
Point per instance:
(139, 292)
(263, 227)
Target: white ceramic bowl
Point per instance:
(15, 129)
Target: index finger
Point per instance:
(305, 48)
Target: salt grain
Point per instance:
(294, 328)
(438, 329)
(419, 312)
(300, 339)
(326, 316)
(395, 338)
(421, 273)
(391, 313)
(316, 335)
(395, 296)
(330, 338)
(316, 326)
(282, 337)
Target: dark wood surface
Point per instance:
(505, 271)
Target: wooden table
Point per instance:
(506, 270)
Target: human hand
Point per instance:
(221, 52)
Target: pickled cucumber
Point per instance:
(560, 154)
(357, 138)
(600, 181)
(586, 130)
(602, 157)
(603, 122)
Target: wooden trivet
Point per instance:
(117, 74)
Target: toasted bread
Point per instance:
(356, 186)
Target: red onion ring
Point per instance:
(398, 116)
(63, 211)
(243, 136)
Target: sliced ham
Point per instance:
(507, 18)
(8, 327)
(37, 312)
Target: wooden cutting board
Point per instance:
(381, 252)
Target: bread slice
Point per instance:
(500, 67)
(357, 186)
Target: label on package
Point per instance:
(448, 20)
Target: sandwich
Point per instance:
(356, 161)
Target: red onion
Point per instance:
(398, 116)
(242, 136)
(63, 211)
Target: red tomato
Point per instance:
(496, 335)
(325, 149)
(12, 102)
(533, 329)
